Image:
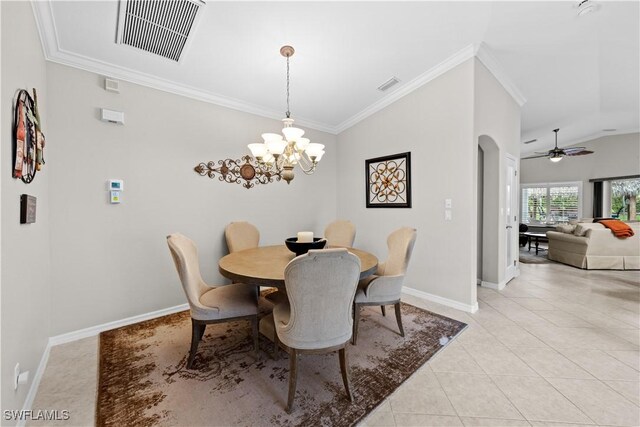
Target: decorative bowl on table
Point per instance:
(300, 248)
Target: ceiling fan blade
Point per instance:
(570, 149)
(579, 153)
(546, 153)
(535, 157)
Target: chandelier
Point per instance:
(278, 155)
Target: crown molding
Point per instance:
(454, 60)
(483, 53)
(47, 30)
(45, 23)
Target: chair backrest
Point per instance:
(241, 235)
(340, 233)
(400, 244)
(321, 286)
(185, 256)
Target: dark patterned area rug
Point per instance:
(143, 380)
(529, 256)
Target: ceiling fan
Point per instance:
(556, 154)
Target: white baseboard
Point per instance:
(498, 286)
(95, 330)
(441, 300)
(85, 333)
(35, 383)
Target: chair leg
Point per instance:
(197, 329)
(344, 369)
(356, 320)
(384, 310)
(293, 378)
(201, 332)
(276, 347)
(254, 328)
(399, 319)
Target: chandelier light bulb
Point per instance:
(278, 156)
(292, 134)
(258, 150)
(313, 149)
(302, 143)
(276, 147)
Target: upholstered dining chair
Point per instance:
(340, 233)
(385, 286)
(241, 235)
(210, 304)
(317, 319)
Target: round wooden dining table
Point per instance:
(264, 265)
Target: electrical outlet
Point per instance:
(16, 375)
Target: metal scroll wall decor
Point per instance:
(238, 172)
(28, 139)
(389, 181)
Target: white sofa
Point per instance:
(593, 246)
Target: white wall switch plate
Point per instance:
(447, 203)
(447, 215)
(115, 197)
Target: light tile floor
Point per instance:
(558, 346)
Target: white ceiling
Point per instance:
(577, 73)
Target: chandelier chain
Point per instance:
(288, 112)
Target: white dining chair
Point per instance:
(210, 304)
(241, 235)
(340, 233)
(317, 319)
(385, 286)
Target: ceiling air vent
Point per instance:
(160, 27)
(386, 85)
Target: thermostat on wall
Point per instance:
(116, 185)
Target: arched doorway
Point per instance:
(488, 196)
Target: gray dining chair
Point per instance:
(385, 286)
(340, 233)
(317, 319)
(210, 304)
(241, 235)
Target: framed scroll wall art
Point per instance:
(389, 181)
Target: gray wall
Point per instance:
(440, 124)
(111, 261)
(617, 155)
(496, 124)
(435, 123)
(25, 277)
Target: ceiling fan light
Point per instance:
(555, 158)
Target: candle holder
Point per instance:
(300, 248)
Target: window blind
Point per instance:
(550, 203)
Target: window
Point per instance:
(550, 203)
(625, 203)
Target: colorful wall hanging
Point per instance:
(28, 139)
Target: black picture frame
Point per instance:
(27, 209)
(388, 181)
